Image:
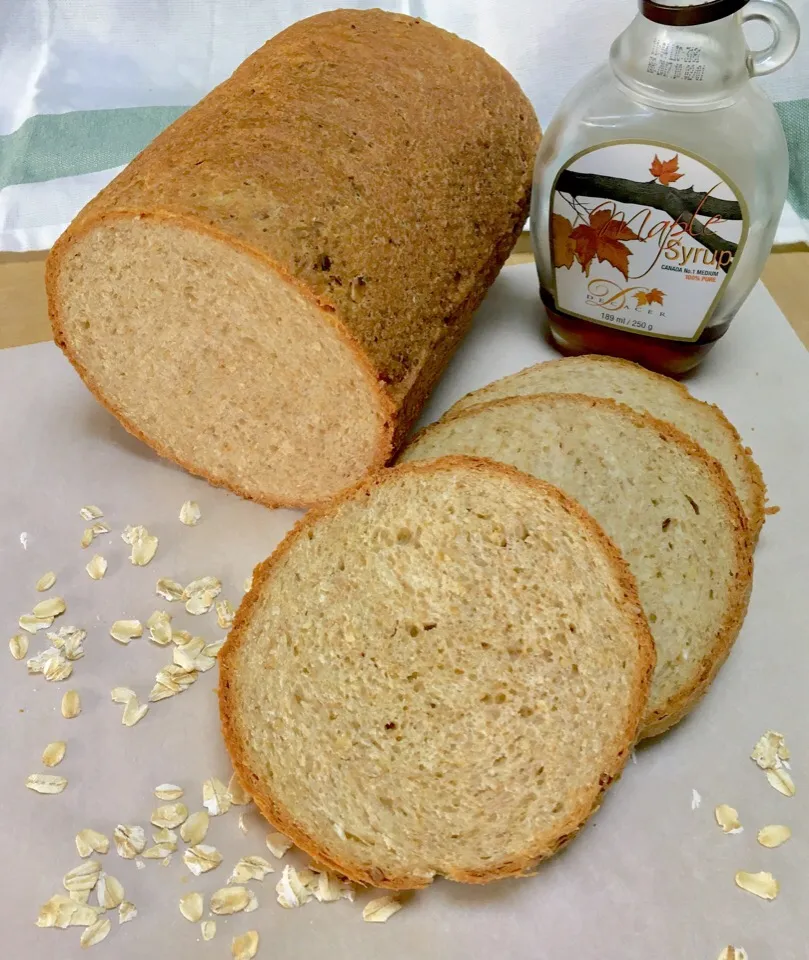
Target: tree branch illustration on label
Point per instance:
(663, 222)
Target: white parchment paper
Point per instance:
(649, 877)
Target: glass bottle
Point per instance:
(660, 182)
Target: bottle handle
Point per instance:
(786, 32)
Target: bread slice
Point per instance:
(253, 295)
(437, 675)
(669, 508)
(645, 392)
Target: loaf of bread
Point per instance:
(646, 392)
(669, 508)
(268, 292)
(438, 674)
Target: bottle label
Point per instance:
(644, 238)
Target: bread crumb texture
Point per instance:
(439, 674)
(269, 291)
(668, 507)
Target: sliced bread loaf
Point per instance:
(437, 675)
(645, 392)
(669, 508)
(253, 296)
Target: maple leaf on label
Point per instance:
(603, 238)
(655, 296)
(645, 298)
(564, 248)
(666, 170)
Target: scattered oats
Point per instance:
(143, 543)
(329, 889)
(195, 828)
(170, 815)
(168, 791)
(278, 844)
(130, 840)
(56, 912)
(247, 586)
(224, 614)
(166, 862)
(159, 624)
(95, 933)
(733, 953)
(45, 783)
(770, 750)
(91, 512)
(18, 645)
(32, 624)
(160, 851)
(190, 513)
(54, 753)
(56, 668)
(122, 694)
(191, 906)
(291, 889)
(250, 868)
(181, 637)
(208, 929)
(215, 797)
(125, 630)
(381, 909)
(171, 680)
(134, 712)
(46, 581)
(212, 649)
(190, 656)
(140, 864)
(774, 835)
(696, 799)
(91, 841)
(169, 589)
(238, 795)
(165, 835)
(87, 537)
(242, 824)
(252, 902)
(97, 567)
(728, 819)
(70, 641)
(126, 911)
(761, 884)
(200, 594)
(780, 779)
(228, 900)
(245, 946)
(110, 892)
(200, 858)
(50, 608)
(83, 878)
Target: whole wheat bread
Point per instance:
(269, 291)
(646, 392)
(438, 674)
(669, 508)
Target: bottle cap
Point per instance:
(689, 13)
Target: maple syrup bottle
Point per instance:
(659, 185)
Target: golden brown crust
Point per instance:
(544, 846)
(394, 233)
(665, 717)
(755, 480)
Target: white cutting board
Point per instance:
(648, 877)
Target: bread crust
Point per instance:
(753, 475)
(676, 707)
(412, 316)
(544, 845)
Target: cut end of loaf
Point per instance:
(438, 675)
(220, 362)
